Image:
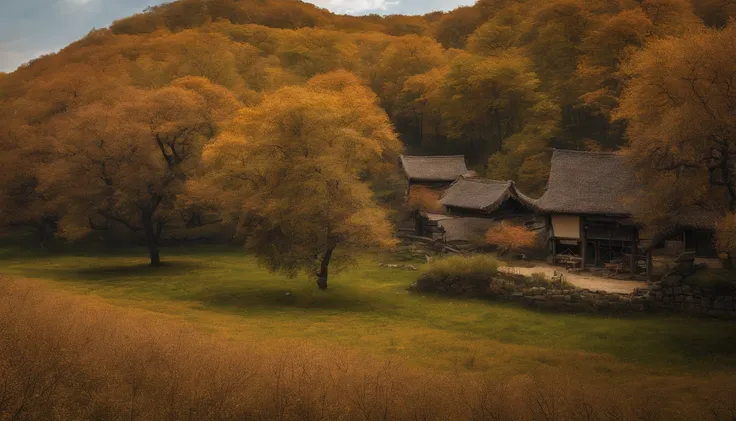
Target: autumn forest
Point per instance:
(293, 116)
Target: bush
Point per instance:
(717, 281)
(458, 275)
(507, 236)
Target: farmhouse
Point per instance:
(589, 203)
(588, 206)
(471, 206)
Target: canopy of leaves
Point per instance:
(297, 168)
(562, 56)
(680, 108)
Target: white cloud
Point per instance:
(354, 6)
(11, 59)
(77, 2)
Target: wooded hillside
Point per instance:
(501, 82)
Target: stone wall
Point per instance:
(569, 299)
(679, 293)
(675, 292)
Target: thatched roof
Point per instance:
(433, 168)
(594, 183)
(482, 195)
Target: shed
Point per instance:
(433, 169)
(485, 197)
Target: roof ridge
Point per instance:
(484, 180)
(432, 156)
(573, 151)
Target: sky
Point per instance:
(30, 28)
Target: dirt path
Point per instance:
(581, 281)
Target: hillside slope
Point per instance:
(504, 79)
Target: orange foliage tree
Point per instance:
(424, 198)
(508, 236)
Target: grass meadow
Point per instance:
(665, 365)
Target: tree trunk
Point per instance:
(152, 236)
(322, 275)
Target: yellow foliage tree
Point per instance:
(296, 169)
(424, 198)
(680, 106)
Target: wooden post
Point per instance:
(597, 253)
(583, 242)
(551, 237)
(634, 251)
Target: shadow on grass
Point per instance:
(703, 340)
(117, 273)
(120, 272)
(280, 299)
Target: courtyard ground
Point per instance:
(580, 280)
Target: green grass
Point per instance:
(368, 308)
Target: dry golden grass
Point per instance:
(68, 357)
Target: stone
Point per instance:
(518, 294)
(705, 302)
(669, 291)
(672, 279)
(716, 313)
(678, 298)
(677, 290)
(539, 298)
(613, 297)
(719, 305)
(557, 297)
(667, 299)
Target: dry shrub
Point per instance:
(507, 236)
(424, 198)
(64, 357)
(458, 275)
